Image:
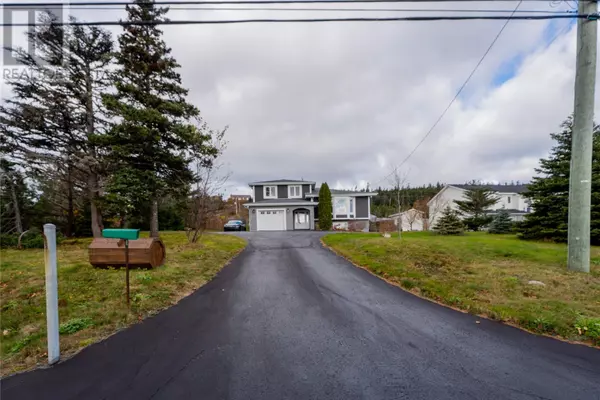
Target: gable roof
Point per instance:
(281, 181)
(406, 211)
(281, 202)
(495, 188)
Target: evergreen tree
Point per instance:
(548, 192)
(325, 208)
(475, 206)
(501, 223)
(50, 122)
(449, 223)
(16, 200)
(150, 143)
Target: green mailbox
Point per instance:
(125, 234)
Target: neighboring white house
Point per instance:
(510, 198)
(411, 220)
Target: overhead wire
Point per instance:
(442, 10)
(300, 20)
(215, 2)
(460, 90)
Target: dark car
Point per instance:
(235, 225)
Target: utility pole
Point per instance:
(580, 181)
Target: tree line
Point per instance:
(96, 134)
(385, 203)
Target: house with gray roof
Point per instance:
(289, 204)
(510, 198)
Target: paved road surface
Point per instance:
(290, 320)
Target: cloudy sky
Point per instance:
(345, 102)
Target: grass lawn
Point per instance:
(92, 301)
(487, 275)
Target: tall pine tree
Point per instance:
(49, 124)
(549, 192)
(475, 205)
(150, 143)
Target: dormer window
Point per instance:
(295, 192)
(270, 192)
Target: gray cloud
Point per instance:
(343, 102)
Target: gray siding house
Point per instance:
(288, 204)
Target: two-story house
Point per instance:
(509, 197)
(287, 204)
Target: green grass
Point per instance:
(487, 275)
(92, 301)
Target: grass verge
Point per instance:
(92, 301)
(487, 275)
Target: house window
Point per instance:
(343, 207)
(295, 192)
(508, 199)
(270, 192)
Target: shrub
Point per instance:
(325, 208)
(33, 239)
(501, 223)
(449, 223)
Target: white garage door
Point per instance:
(270, 220)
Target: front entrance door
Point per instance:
(301, 220)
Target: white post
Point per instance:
(51, 293)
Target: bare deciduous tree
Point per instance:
(398, 180)
(206, 201)
(413, 216)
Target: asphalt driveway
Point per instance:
(290, 320)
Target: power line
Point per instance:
(435, 124)
(483, 11)
(304, 20)
(200, 2)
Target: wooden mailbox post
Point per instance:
(125, 235)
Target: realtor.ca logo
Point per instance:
(19, 23)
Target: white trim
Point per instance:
(354, 194)
(348, 219)
(350, 215)
(299, 196)
(273, 209)
(294, 204)
(269, 183)
(272, 196)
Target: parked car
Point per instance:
(235, 225)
